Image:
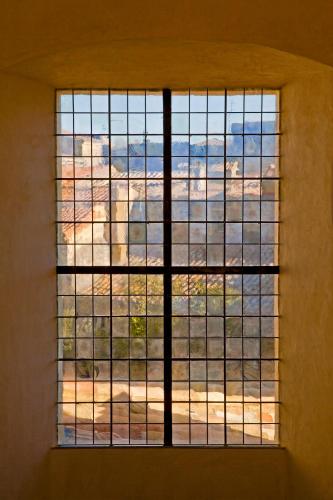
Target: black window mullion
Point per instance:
(171, 269)
(167, 268)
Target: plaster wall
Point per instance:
(41, 28)
(306, 323)
(30, 468)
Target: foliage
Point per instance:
(137, 326)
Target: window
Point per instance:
(167, 244)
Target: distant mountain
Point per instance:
(215, 146)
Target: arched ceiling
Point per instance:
(163, 63)
(92, 43)
(29, 28)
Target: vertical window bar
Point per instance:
(110, 275)
(167, 268)
(225, 262)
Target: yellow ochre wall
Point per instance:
(33, 64)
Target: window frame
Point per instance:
(168, 270)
